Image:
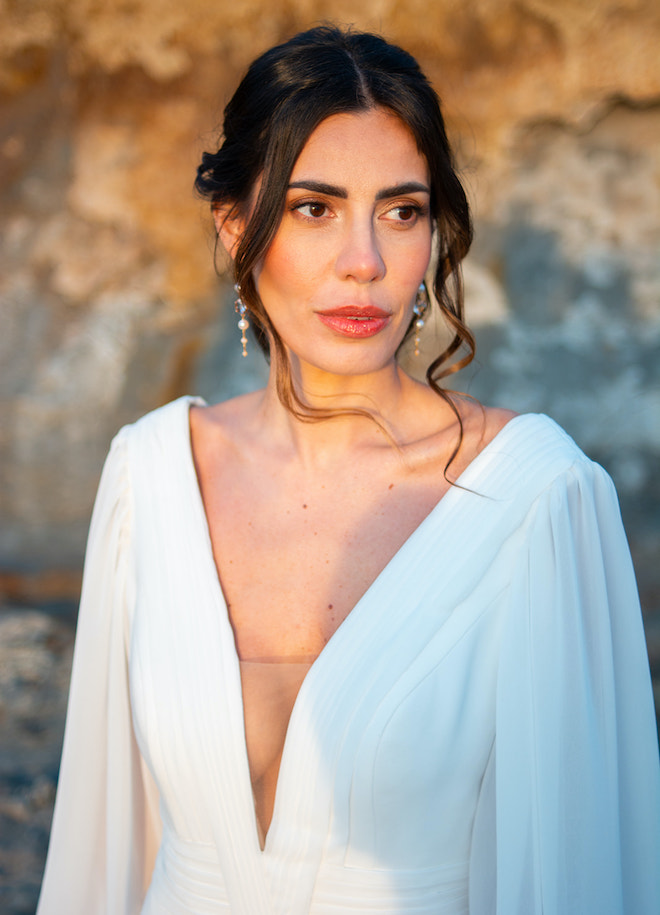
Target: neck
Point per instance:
(369, 412)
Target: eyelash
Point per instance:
(298, 207)
(416, 208)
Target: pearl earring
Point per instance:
(419, 309)
(241, 309)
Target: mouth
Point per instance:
(351, 321)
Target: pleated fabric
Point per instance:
(477, 737)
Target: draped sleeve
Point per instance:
(106, 825)
(568, 821)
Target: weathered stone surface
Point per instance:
(35, 662)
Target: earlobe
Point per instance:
(229, 226)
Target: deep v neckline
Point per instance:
(330, 648)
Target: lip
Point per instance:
(354, 311)
(352, 324)
(356, 321)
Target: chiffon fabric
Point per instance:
(477, 737)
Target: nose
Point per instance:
(360, 258)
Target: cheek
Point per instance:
(412, 264)
(280, 264)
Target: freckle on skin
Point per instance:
(330, 606)
(305, 505)
(391, 486)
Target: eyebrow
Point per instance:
(398, 190)
(332, 190)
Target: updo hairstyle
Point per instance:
(286, 93)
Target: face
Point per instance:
(340, 278)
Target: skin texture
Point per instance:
(304, 516)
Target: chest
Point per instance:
(293, 561)
(387, 702)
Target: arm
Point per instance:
(569, 817)
(105, 826)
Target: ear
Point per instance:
(230, 225)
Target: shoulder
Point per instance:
(479, 426)
(161, 433)
(552, 466)
(226, 427)
(227, 415)
(522, 456)
(171, 417)
(530, 436)
(154, 448)
(488, 422)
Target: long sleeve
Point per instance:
(569, 815)
(106, 824)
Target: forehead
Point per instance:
(368, 147)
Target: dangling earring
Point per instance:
(241, 309)
(419, 309)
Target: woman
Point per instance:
(352, 643)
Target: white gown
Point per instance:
(477, 737)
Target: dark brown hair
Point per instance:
(284, 96)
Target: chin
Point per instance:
(353, 366)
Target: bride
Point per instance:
(352, 642)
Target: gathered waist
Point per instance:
(441, 890)
(187, 880)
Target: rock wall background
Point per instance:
(109, 305)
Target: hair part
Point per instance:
(285, 94)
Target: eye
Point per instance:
(311, 209)
(406, 213)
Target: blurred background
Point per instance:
(109, 304)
